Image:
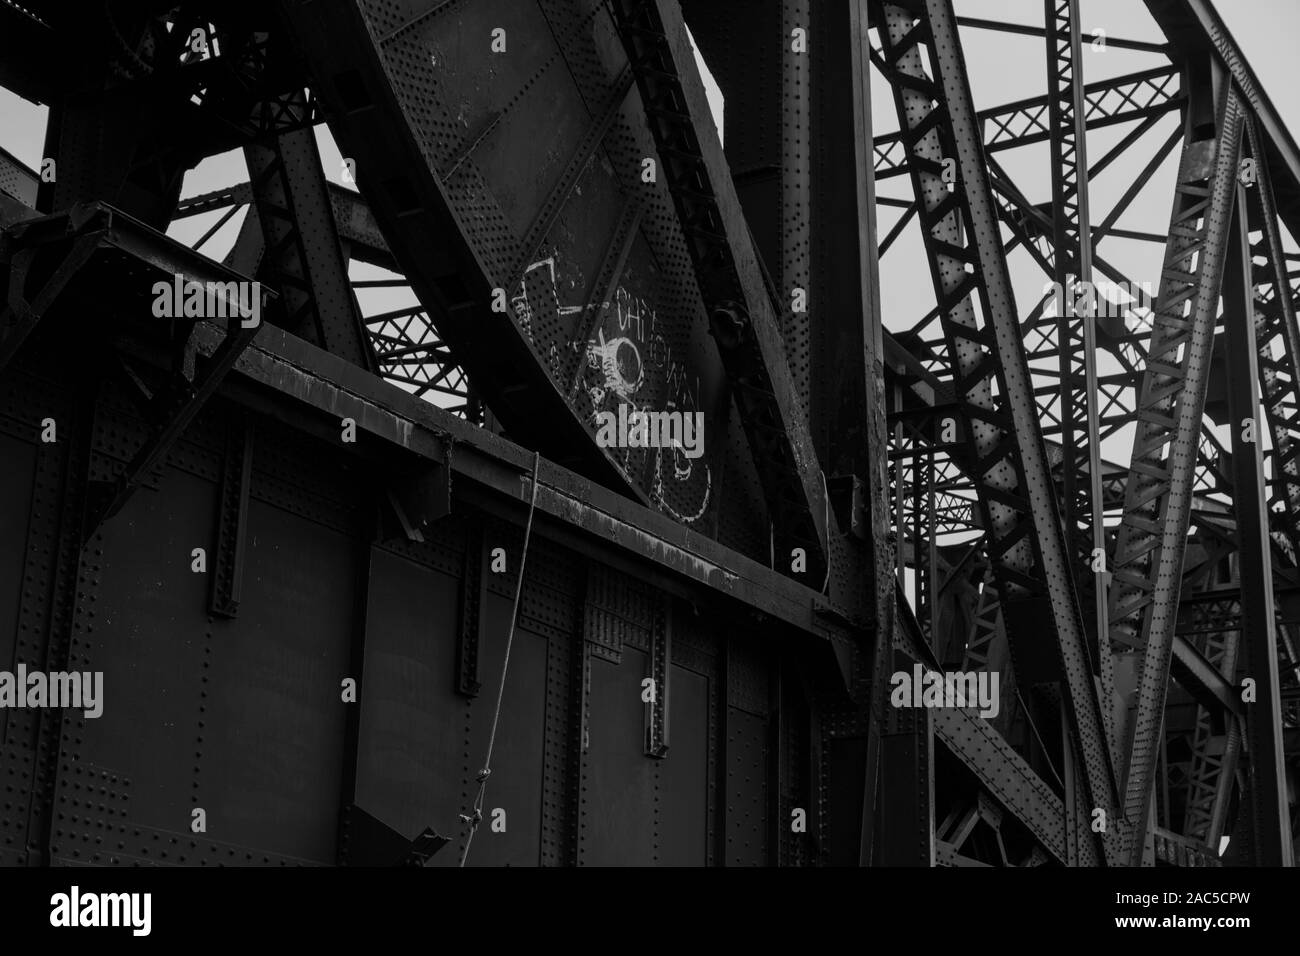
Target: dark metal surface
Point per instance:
(293, 549)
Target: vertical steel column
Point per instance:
(905, 812)
(303, 254)
(1275, 323)
(1081, 502)
(1215, 631)
(797, 237)
(48, 620)
(1270, 814)
(877, 437)
(741, 314)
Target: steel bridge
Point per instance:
(997, 387)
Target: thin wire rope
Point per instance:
(486, 772)
(1046, 753)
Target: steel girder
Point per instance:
(1072, 262)
(467, 213)
(1214, 628)
(1011, 781)
(301, 255)
(877, 443)
(447, 231)
(1199, 667)
(1277, 339)
(740, 310)
(1152, 537)
(403, 341)
(1076, 335)
(1026, 544)
(16, 180)
(76, 239)
(1270, 815)
(1197, 29)
(1148, 94)
(607, 524)
(1129, 348)
(353, 220)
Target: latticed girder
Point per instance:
(1148, 94)
(1028, 512)
(741, 314)
(960, 227)
(1277, 338)
(1153, 532)
(1215, 627)
(1076, 333)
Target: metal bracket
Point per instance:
(473, 598)
(656, 715)
(109, 498)
(21, 316)
(232, 519)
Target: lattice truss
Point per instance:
(1079, 179)
(243, 91)
(406, 345)
(1089, 284)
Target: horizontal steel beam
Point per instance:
(307, 375)
(353, 219)
(1141, 95)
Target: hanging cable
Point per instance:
(1046, 753)
(476, 817)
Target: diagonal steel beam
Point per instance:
(741, 314)
(19, 317)
(1269, 810)
(1076, 335)
(1198, 29)
(1005, 774)
(303, 256)
(1013, 478)
(1152, 536)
